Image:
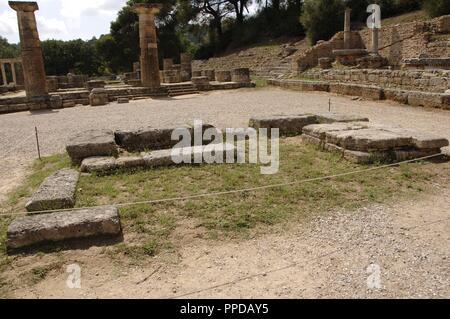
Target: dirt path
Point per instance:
(409, 241)
(221, 108)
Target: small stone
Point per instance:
(123, 100)
(56, 192)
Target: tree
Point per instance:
(205, 11)
(436, 8)
(62, 57)
(322, 18)
(8, 50)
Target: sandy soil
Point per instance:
(408, 240)
(328, 258)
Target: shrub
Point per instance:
(322, 18)
(436, 8)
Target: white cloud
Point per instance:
(8, 24)
(51, 28)
(64, 19)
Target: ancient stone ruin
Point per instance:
(61, 91)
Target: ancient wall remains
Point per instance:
(430, 81)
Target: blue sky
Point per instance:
(64, 19)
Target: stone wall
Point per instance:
(309, 58)
(430, 81)
(397, 42)
(372, 92)
(410, 40)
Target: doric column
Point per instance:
(13, 71)
(375, 35)
(5, 81)
(32, 59)
(348, 29)
(148, 44)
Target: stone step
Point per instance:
(183, 92)
(56, 192)
(60, 226)
(92, 143)
(160, 158)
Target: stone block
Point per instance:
(145, 139)
(98, 164)
(69, 103)
(130, 162)
(56, 192)
(123, 100)
(201, 82)
(223, 76)
(188, 155)
(92, 143)
(240, 75)
(330, 117)
(210, 74)
(56, 102)
(320, 130)
(421, 140)
(98, 97)
(368, 140)
(426, 99)
(61, 226)
(396, 95)
(288, 125)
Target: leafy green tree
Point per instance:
(62, 57)
(8, 50)
(322, 18)
(436, 8)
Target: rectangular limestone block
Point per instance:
(145, 139)
(364, 158)
(406, 155)
(308, 139)
(188, 155)
(330, 117)
(426, 99)
(92, 143)
(320, 130)
(98, 164)
(365, 91)
(60, 226)
(421, 140)
(56, 192)
(368, 140)
(289, 125)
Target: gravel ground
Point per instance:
(221, 108)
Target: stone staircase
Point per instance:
(179, 89)
(277, 69)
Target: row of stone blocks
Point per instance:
(52, 217)
(414, 98)
(354, 137)
(236, 75)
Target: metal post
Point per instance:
(37, 142)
